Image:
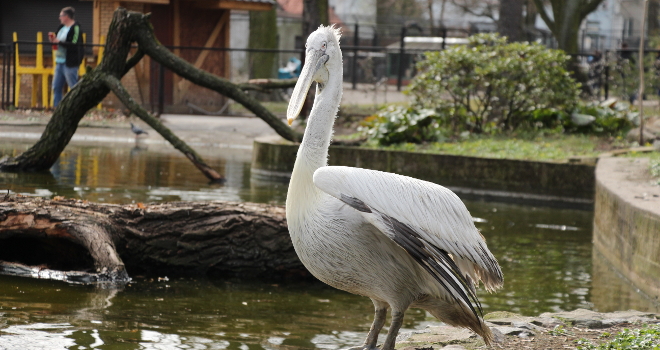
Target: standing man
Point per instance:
(69, 54)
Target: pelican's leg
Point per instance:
(379, 321)
(397, 321)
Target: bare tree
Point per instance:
(315, 13)
(480, 8)
(510, 22)
(564, 18)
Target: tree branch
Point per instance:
(146, 40)
(131, 62)
(268, 84)
(544, 15)
(469, 8)
(115, 85)
(589, 7)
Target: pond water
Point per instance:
(545, 253)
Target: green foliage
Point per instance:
(553, 146)
(655, 169)
(397, 124)
(491, 85)
(558, 331)
(624, 75)
(646, 338)
(592, 118)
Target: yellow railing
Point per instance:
(38, 70)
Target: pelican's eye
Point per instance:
(324, 45)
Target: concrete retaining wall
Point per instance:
(517, 179)
(627, 221)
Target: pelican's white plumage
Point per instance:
(400, 241)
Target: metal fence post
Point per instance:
(356, 43)
(161, 88)
(399, 77)
(607, 76)
(444, 37)
(4, 77)
(14, 99)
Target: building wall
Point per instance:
(240, 34)
(137, 78)
(27, 17)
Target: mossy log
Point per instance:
(107, 242)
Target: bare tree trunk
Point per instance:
(219, 239)
(510, 23)
(641, 74)
(263, 35)
(315, 13)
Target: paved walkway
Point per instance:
(197, 131)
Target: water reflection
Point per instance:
(182, 314)
(612, 292)
(546, 267)
(124, 174)
(545, 253)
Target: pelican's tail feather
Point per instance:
(455, 314)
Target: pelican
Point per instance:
(400, 241)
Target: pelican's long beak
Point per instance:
(313, 62)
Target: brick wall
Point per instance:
(130, 80)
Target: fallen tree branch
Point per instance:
(267, 84)
(219, 239)
(146, 41)
(115, 85)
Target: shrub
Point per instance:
(397, 124)
(592, 118)
(624, 75)
(491, 85)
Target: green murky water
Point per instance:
(545, 253)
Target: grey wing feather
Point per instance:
(434, 213)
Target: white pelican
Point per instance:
(400, 241)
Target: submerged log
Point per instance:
(218, 239)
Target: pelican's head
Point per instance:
(321, 56)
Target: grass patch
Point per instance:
(646, 338)
(539, 147)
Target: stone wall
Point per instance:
(501, 178)
(627, 221)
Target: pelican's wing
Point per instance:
(427, 220)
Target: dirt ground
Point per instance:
(545, 340)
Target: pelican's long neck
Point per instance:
(313, 151)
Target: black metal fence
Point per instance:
(8, 77)
(610, 73)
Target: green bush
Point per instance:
(624, 75)
(396, 124)
(490, 85)
(592, 118)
